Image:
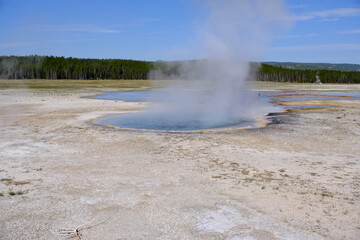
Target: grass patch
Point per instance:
(285, 175)
(234, 164)
(11, 193)
(326, 193)
(249, 179)
(77, 84)
(5, 179)
(216, 176)
(1, 195)
(15, 182)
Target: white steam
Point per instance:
(240, 29)
(8, 67)
(213, 92)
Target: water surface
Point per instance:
(172, 120)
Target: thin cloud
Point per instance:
(321, 47)
(330, 19)
(350, 31)
(24, 44)
(297, 36)
(72, 40)
(74, 28)
(90, 29)
(329, 15)
(137, 23)
(16, 44)
(301, 17)
(340, 12)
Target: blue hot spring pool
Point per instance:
(173, 120)
(193, 117)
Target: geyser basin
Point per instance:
(170, 119)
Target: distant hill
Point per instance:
(317, 66)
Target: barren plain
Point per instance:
(296, 178)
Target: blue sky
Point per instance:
(321, 30)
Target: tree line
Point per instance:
(279, 74)
(49, 67)
(38, 67)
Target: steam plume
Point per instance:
(233, 33)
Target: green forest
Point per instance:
(317, 66)
(49, 67)
(38, 67)
(279, 74)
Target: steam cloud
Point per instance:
(7, 67)
(213, 91)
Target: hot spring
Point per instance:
(210, 91)
(194, 118)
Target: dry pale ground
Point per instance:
(298, 178)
